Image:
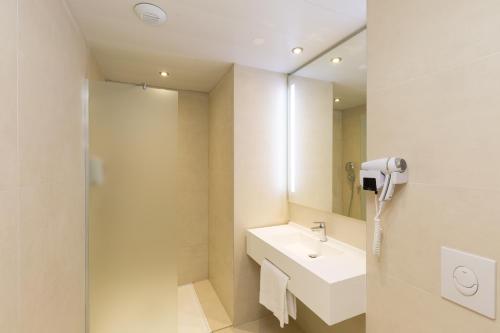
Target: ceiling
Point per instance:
(349, 76)
(202, 38)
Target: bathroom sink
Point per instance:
(302, 245)
(328, 277)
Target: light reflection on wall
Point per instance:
(292, 138)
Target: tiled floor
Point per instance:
(190, 313)
(201, 311)
(264, 325)
(214, 310)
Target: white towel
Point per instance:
(291, 305)
(273, 293)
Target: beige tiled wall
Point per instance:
(192, 192)
(9, 168)
(434, 73)
(343, 228)
(221, 190)
(309, 322)
(42, 192)
(260, 183)
(247, 178)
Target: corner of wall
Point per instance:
(192, 196)
(94, 72)
(221, 190)
(260, 189)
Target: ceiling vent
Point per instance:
(150, 14)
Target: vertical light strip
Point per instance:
(292, 138)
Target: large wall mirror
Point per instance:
(327, 129)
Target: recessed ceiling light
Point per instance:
(164, 74)
(336, 60)
(297, 50)
(336, 100)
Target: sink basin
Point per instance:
(302, 245)
(328, 277)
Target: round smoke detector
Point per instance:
(150, 14)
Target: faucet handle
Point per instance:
(321, 224)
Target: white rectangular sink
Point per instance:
(328, 277)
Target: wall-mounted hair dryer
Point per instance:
(382, 176)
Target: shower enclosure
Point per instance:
(132, 269)
(351, 177)
(148, 215)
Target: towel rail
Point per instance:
(289, 278)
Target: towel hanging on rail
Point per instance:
(274, 294)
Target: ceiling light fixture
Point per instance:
(336, 100)
(150, 14)
(336, 60)
(164, 74)
(297, 50)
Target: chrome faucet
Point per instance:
(322, 230)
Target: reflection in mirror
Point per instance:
(327, 130)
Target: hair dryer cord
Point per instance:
(377, 232)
